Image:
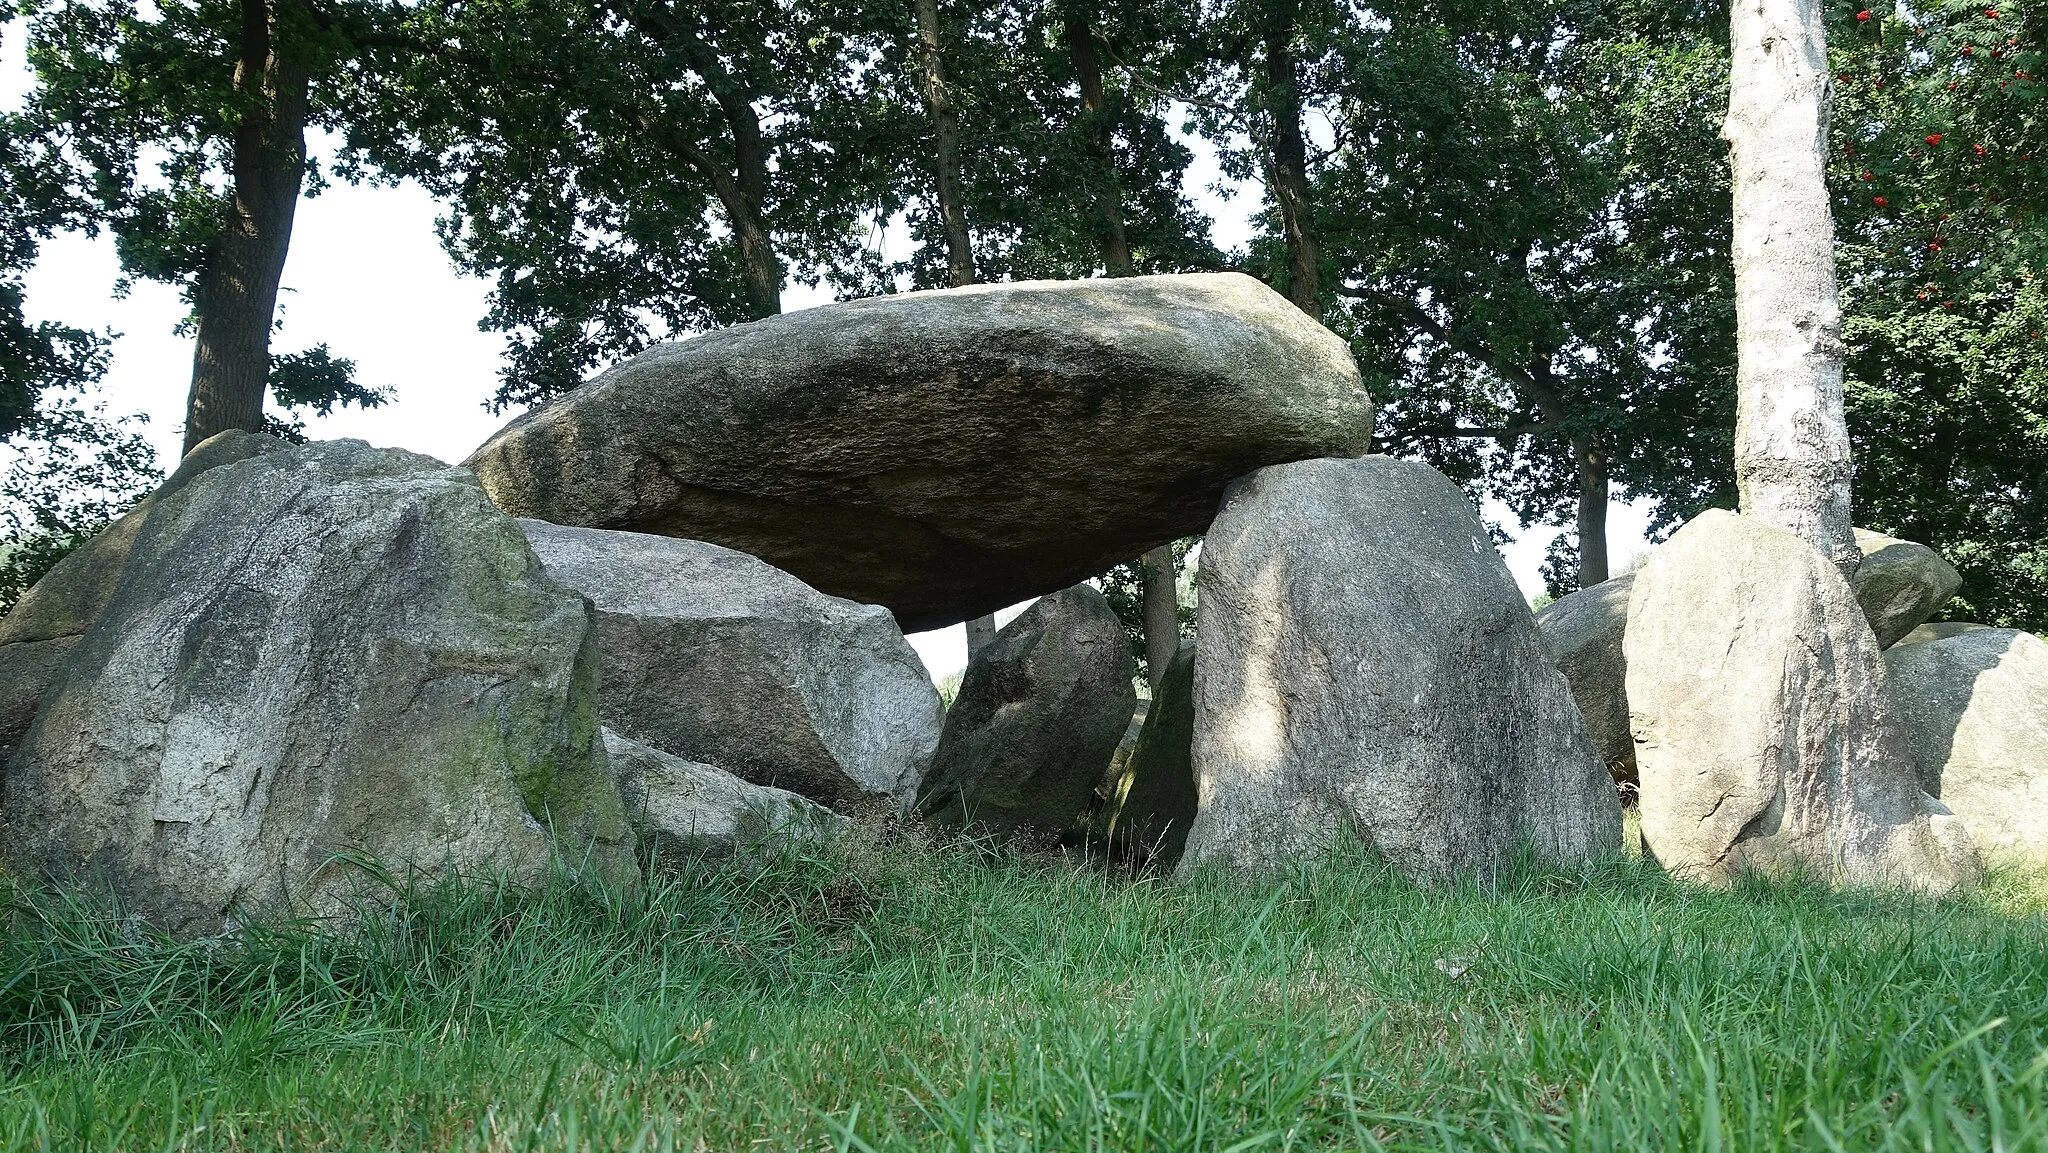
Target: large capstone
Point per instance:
(1367, 668)
(713, 656)
(1585, 630)
(1040, 710)
(683, 809)
(317, 658)
(1975, 709)
(1900, 584)
(1155, 802)
(38, 634)
(1765, 736)
(947, 453)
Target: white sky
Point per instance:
(367, 276)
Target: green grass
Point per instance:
(919, 997)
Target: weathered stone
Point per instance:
(326, 650)
(38, 634)
(1938, 631)
(1038, 715)
(713, 656)
(1157, 805)
(1900, 584)
(687, 809)
(1585, 631)
(1975, 709)
(945, 453)
(1764, 736)
(1368, 668)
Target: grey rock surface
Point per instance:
(685, 808)
(1585, 631)
(38, 634)
(1039, 714)
(1157, 802)
(714, 656)
(1900, 584)
(327, 649)
(945, 453)
(1367, 667)
(1765, 736)
(1938, 631)
(1975, 709)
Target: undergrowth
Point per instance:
(899, 996)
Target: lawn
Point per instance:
(916, 996)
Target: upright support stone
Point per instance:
(1367, 667)
(1764, 735)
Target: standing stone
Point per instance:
(946, 453)
(1038, 716)
(38, 634)
(1900, 584)
(1764, 736)
(329, 649)
(713, 656)
(1585, 631)
(1158, 802)
(683, 808)
(1367, 667)
(1975, 709)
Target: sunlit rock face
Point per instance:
(1367, 668)
(945, 454)
(1974, 705)
(1765, 734)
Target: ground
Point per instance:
(912, 996)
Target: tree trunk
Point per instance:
(1792, 454)
(980, 631)
(1162, 613)
(1288, 160)
(946, 143)
(1592, 513)
(1109, 207)
(236, 295)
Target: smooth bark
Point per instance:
(1592, 521)
(1162, 613)
(980, 631)
(1792, 452)
(236, 295)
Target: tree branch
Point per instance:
(1531, 384)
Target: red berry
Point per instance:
(1863, 17)
(1991, 13)
(1933, 138)
(1979, 148)
(1969, 50)
(1879, 201)
(1867, 176)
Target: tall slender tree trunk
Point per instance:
(1288, 158)
(236, 296)
(1109, 197)
(1592, 513)
(938, 104)
(1792, 453)
(1162, 613)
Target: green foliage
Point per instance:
(1939, 116)
(1124, 588)
(949, 998)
